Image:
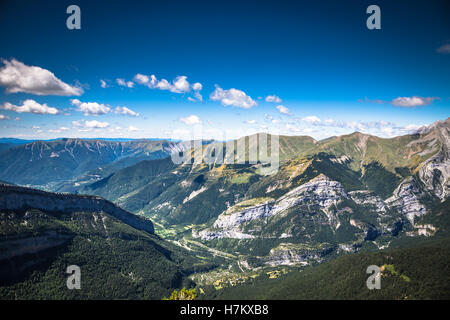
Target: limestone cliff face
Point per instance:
(435, 172)
(320, 191)
(20, 198)
(366, 197)
(284, 255)
(406, 199)
(235, 219)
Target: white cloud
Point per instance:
(283, 109)
(62, 129)
(377, 101)
(250, 121)
(293, 128)
(311, 119)
(126, 111)
(103, 84)
(353, 125)
(197, 86)
(407, 102)
(3, 117)
(198, 96)
(30, 106)
(90, 124)
(191, 120)
(233, 97)
(388, 131)
(164, 85)
(273, 98)
(411, 102)
(90, 108)
(94, 108)
(133, 129)
(18, 77)
(123, 83)
(141, 79)
(178, 85)
(413, 127)
(356, 126)
(444, 49)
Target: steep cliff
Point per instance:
(20, 198)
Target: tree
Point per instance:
(183, 294)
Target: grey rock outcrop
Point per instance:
(320, 191)
(406, 199)
(435, 172)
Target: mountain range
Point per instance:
(354, 195)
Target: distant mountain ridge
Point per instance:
(42, 163)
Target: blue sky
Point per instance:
(329, 73)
